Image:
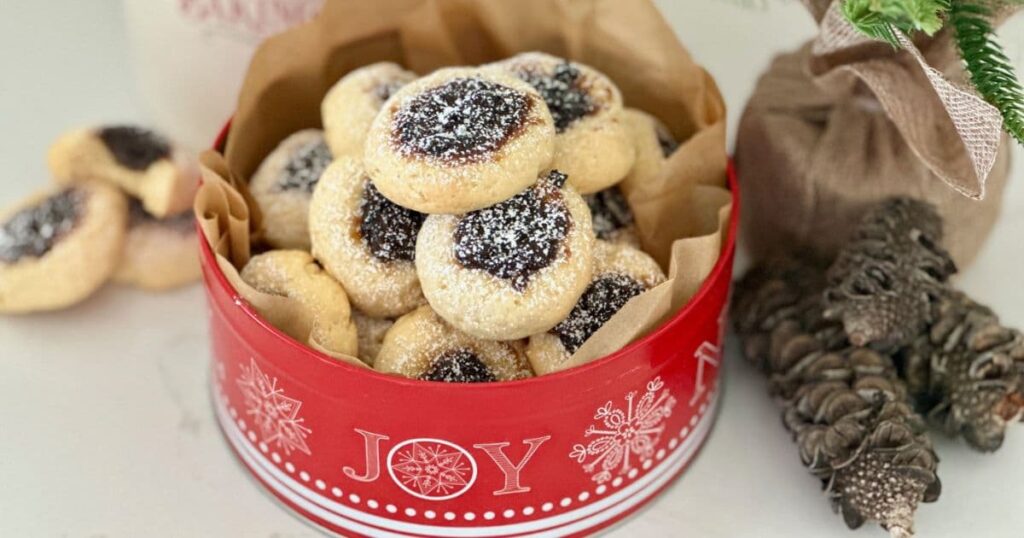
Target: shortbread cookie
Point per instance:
(621, 272)
(284, 183)
(159, 254)
(459, 139)
(371, 335)
(353, 102)
(59, 246)
(510, 270)
(141, 162)
(654, 144)
(365, 241)
(422, 346)
(296, 275)
(613, 219)
(593, 145)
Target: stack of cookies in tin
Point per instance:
(466, 226)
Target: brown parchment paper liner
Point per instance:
(681, 214)
(845, 121)
(226, 214)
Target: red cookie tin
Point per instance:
(361, 453)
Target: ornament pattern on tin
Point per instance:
(625, 435)
(432, 469)
(276, 416)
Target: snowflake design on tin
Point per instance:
(625, 435)
(432, 469)
(275, 415)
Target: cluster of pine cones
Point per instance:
(866, 352)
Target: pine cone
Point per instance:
(884, 283)
(769, 295)
(967, 372)
(846, 407)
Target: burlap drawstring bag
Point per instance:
(845, 121)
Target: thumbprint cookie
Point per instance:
(296, 275)
(353, 102)
(422, 346)
(365, 241)
(59, 246)
(512, 269)
(593, 145)
(621, 272)
(159, 254)
(283, 185)
(654, 144)
(141, 162)
(613, 219)
(458, 140)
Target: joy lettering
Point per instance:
(435, 469)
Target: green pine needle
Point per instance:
(881, 19)
(990, 70)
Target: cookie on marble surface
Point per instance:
(421, 345)
(621, 272)
(283, 185)
(296, 275)
(510, 270)
(612, 216)
(365, 241)
(59, 246)
(459, 139)
(141, 162)
(593, 144)
(351, 105)
(159, 254)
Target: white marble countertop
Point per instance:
(105, 425)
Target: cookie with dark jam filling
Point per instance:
(592, 144)
(141, 162)
(365, 240)
(621, 273)
(421, 345)
(59, 246)
(512, 269)
(283, 185)
(459, 140)
(349, 107)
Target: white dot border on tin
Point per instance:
(490, 515)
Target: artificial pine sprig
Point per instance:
(881, 19)
(991, 71)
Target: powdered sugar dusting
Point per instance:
(421, 345)
(610, 212)
(305, 167)
(461, 121)
(458, 366)
(518, 237)
(33, 231)
(603, 298)
(379, 288)
(387, 229)
(562, 90)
